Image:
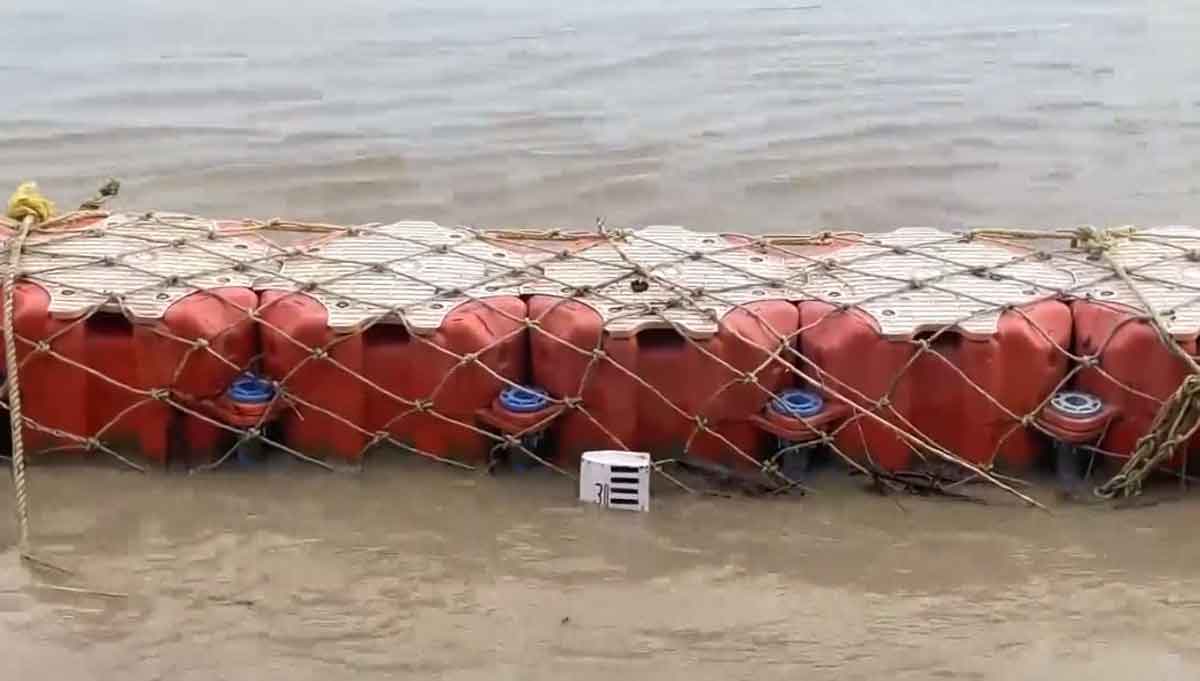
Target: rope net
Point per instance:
(921, 358)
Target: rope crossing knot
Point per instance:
(1095, 242)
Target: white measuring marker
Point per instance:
(615, 479)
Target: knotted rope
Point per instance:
(1174, 425)
(30, 207)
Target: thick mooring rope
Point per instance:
(29, 207)
(14, 386)
(1173, 425)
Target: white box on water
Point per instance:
(615, 479)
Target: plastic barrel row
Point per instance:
(673, 342)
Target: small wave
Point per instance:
(120, 135)
(859, 174)
(1068, 105)
(188, 98)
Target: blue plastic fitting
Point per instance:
(248, 388)
(524, 399)
(794, 460)
(798, 403)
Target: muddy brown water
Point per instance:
(419, 572)
(745, 116)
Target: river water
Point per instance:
(734, 115)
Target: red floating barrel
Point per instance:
(668, 342)
(928, 333)
(1127, 364)
(403, 330)
(112, 328)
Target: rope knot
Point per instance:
(27, 202)
(1098, 241)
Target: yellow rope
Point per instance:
(27, 202)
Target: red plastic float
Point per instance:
(368, 334)
(639, 341)
(107, 329)
(1130, 370)
(931, 333)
